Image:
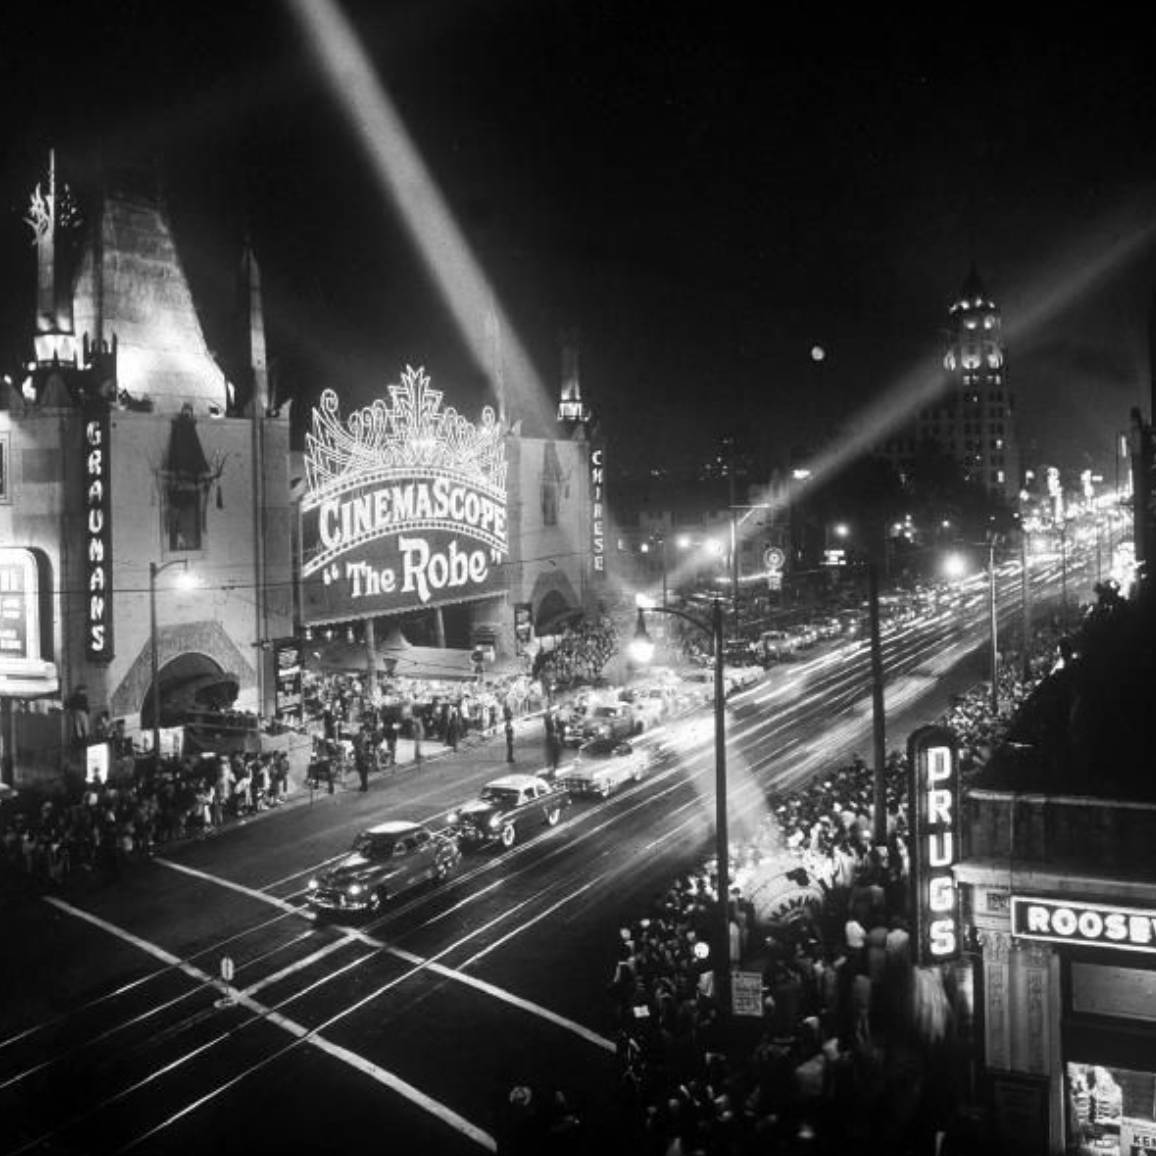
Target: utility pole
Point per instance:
(879, 796)
(1026, 601)
(994, 609)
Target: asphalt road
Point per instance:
(404, 1032)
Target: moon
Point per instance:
(818, 353)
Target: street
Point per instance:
(197, 1003)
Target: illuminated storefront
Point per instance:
(1066, 927)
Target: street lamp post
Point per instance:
(154, 571)
(993, 607)
(722, 842)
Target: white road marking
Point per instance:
(417, 961)
(301, 1033)
(299, 965)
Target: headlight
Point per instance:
(495, 820)
(312, 884)
(453, 818)
(355, 889)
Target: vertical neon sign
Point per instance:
(98, 535)
(935, 826)
(598, 511)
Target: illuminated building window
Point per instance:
(5, 457)
(183, 516)
(999, 476)
(969, 323)
(988, 321)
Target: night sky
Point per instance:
(704, 192)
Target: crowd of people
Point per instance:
(855, 1048)
(99, 827)
(579, 654)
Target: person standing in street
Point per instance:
(361, 756)
(509, 718)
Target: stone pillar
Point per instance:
(997, 1021)
(1031, 1001)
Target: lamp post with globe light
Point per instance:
(642, 650)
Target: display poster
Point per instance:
(98, 532)
(5, 467)
(404, 507)
(598, 511)
(934, 791)
(19, 603)
(747, 993)
(97, 760)
(288, 659)
(1109, 1110)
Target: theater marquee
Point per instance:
(405, 506)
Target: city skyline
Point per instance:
(703, 206)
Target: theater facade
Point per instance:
(164, 549)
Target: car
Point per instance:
(506, 808)
(651, 705)
(602, 766)
(385, 861)
(610, 721)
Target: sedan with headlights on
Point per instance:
(385, 861)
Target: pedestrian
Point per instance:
(509, 737)
(453, 728)
(361, 755)
(391, 732)
(418, 735)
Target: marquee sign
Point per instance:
(98, 534)
(598, 511)
(934, 791)
(1084, 924)
(405, 505)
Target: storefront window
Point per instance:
(1111, 1111)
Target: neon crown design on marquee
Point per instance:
(411, 436)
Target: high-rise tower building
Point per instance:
(973, 420)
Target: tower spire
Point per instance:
(258, 365)
(572, 412)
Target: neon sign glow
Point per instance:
(98, 537)
(934, 844)
(405, 505)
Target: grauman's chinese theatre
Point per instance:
(149, 521)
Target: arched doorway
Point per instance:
(188, 683)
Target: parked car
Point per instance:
(386, 861)
(602, 766)
(506, 808)
(610, 721)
